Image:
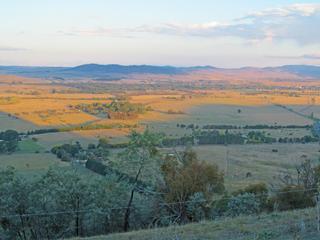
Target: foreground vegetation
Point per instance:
(65, 203)
(298, 224)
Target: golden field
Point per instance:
(44, 103)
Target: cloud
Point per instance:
(298, 22)
(99, 31)
(311, 56)
(303, 57)
(287, 11)
(10, 49)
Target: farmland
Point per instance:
(29, 104)
(252, 134)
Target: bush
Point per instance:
(196, 207)
(260, 191)
(243, 204)
(293, 197)
(257, 189)
(220, 206)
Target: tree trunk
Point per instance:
(128, 210)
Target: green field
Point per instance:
(29, 146)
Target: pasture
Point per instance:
(233, 115)
(30, 164)
(259, 160)
(11, 122)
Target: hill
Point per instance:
(116, 72)
(302, 70)
(298, 224)
(109, 72)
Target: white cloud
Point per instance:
(287, 11)
(304, 56)
(298, 22)
(99, 31)
(10, 49)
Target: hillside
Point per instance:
(298, 224)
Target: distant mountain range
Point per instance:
(115, 72)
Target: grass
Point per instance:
(298, 224)
(29, 164)
(10, 122)
(29, 146)
(263, 164)
(228, 115)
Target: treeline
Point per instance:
(9, 141)
(182, 141)
(79, 128)
(257, 126)
(96, 127)
(217, 138)
(42, 131)
(71, 152)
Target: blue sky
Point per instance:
(176, 32)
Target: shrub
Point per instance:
(293, 197)
(257, 189)
(196, 206)
(260, 191)
(243, 204)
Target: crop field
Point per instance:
(45, 103)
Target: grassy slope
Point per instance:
(299, 224)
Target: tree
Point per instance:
(299, 189)
(9, 141)
(14, 200)
(141, 151)
(103, 143)
(183, 177)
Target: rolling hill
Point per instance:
(116, 72)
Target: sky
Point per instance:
(228, 33)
